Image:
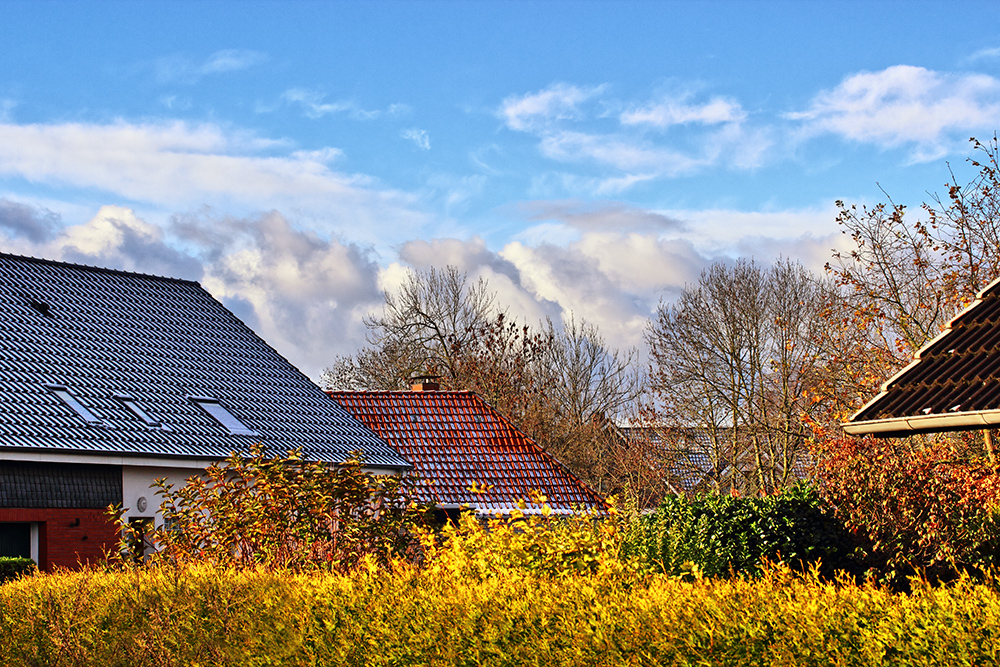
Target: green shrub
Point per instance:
(12, 568)
(718, 534)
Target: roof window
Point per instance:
(136, 409)
(62, 393)
(218, 411)
(40, 306)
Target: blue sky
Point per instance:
(585, 157)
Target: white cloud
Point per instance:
(623, 154)
(629, 153)
(183, 69)
(419, 137)
(303, 294)
(316, 106)
(669, 112)
(115, 237)
(557, 102)
(906, 106)
(985, 54)
(179, 165)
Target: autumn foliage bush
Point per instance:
(928, 510)
(283, 512)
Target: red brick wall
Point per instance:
(60, 542)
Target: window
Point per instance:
(213, 407)
(136, 409)
(76, 406)
(15, 540)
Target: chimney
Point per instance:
(424, 383)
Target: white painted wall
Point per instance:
(137, 482)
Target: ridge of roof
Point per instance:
(164, 342)
(436, 465)
(933, 421)
(96, 269)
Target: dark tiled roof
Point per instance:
(953, 382)
(26, 484)
(455, 441)
(160, 340)
(691, 461)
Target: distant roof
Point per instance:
(458, 441)
(143, 355)
(952, 384)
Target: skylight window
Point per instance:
(136, 409)
(62, 393)
(218, 411)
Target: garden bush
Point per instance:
(12, 568)
(206, 615)
(717, 535)
(283, 512)
(924, 510)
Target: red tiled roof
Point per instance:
(456, 441)
(952, 384)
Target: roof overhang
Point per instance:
(934, 423)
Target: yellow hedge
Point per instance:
(510, 616)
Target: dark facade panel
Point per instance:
(59, 485)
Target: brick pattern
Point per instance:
(456, 442)
(62, 541)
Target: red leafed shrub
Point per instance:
(924, 509)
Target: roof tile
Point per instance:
(160, 340)
(456, 441)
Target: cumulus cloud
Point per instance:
(420, 138)
(186, 70)
(905, 105)
(176, 165)
(611, 279)
(23, 221)
(115, 237)
(304, 294)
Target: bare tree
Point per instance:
(434, 317)
(731, 361)
(562, 386)
(904, 278)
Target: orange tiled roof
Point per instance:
(456, 441)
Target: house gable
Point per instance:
(952, 384)
(457, 442)
(113, 342)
